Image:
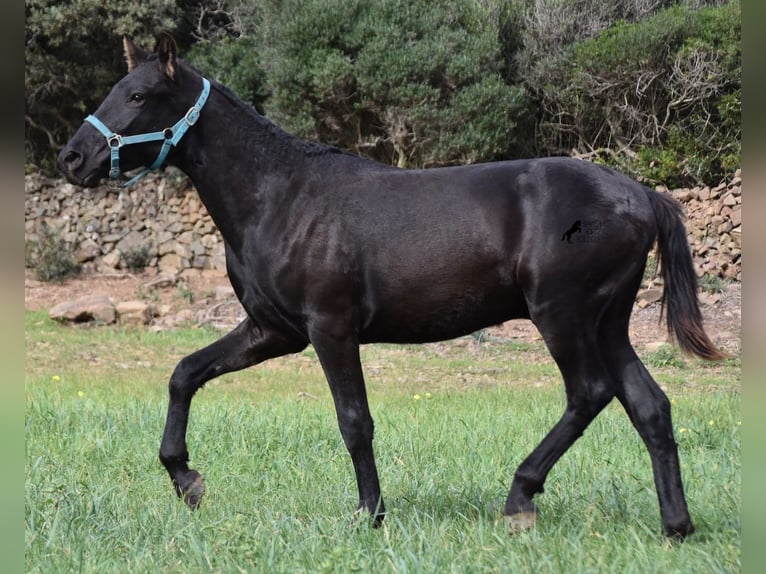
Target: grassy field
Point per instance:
(453, 421)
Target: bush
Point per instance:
(651, 87)
(226, 47)
(50, 256)
(137, 258)
(412, 83)
(665, 90)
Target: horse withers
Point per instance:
(329, 249)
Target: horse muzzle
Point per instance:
(72, 164)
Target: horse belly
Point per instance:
(439, 307)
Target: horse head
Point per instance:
(152, 107)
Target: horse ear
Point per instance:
(133, 54)
(166, 51)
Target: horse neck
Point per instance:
(238, 159)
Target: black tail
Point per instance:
(679, 299)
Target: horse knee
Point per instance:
(183, 382)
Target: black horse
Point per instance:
(329, 249)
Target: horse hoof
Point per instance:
(679, 532)
(521, 521)
(192, 490)
(363, 516)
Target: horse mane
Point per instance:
(281, 136)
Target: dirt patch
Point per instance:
(205, 297)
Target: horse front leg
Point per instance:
(246, 345)
(342, 367)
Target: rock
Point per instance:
(161, 281)
(90, 308)
(111, 259)
(224, 292)
(709, 298)
(88, 251)
(654, 346)
(135, 312)
(170, 263)
(648, 296)
(132, 241)
(170, 246)
(166, 215)
(683, 195)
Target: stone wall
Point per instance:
(714, 226)
(163, 215)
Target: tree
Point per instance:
(414, 83)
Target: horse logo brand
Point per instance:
(583, 231)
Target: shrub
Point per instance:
(412, 83)
(137, 258)
(665, 90)
(50, 256)
(226, 47)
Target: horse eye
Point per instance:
(137, 98)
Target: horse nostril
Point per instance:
(69, 160)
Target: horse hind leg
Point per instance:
(246, 345)
(589, 388)
(648, 408)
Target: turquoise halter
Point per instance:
(169, 137)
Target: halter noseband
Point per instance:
(169, 137)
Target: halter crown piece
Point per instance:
(169, 137)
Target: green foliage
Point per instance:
(651, 88)
(711, 283)
(137, 258)
(227, 47)
(50, 256)
(666, 89)
(235, 62)
(413, 83)
(665, 356)
(184, 292)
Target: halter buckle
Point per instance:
(192, 115)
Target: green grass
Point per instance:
(280, 483)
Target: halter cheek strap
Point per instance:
(169, 137)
